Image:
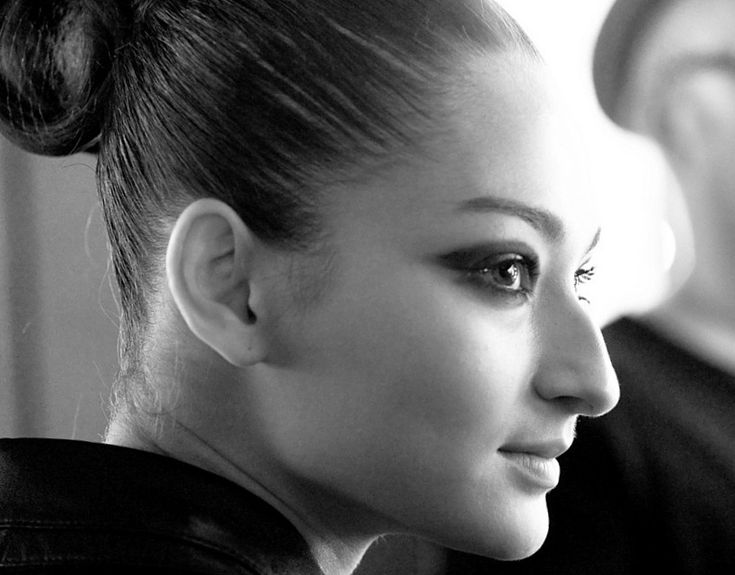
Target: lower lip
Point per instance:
(542, 472)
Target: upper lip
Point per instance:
(546, 449)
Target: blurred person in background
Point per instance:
(653, 484)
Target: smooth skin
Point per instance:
(397, 379)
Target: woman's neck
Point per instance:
(335, 555)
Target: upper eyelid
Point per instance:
(585, 266)
(476, 257)
(472, 260)
(530, 263)
(471, 256)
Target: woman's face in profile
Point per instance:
(441, 371)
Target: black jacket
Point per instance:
(77, 507)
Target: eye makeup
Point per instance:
(508, 269)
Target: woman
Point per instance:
(350, 242)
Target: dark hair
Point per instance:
(259, 103)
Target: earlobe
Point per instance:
(208, 268)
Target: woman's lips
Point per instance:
(541, 471)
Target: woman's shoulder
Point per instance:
(78, 504)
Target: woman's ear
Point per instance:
(208, 267)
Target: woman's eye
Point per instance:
(496, 273)
(582, 276)
(507, 273)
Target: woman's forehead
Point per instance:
(508, 119)
(508, 139)
(499, 87)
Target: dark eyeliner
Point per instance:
(475, 257)
(477, 265)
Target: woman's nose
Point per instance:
(575, 368)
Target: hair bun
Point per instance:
(55, 62)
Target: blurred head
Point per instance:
(666, 69)
(356, 238)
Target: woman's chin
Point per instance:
(522, 544)
(521, 548)
(519, 534)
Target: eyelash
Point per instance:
(483, 273)
(581, 277)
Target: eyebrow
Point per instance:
(544, 221)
